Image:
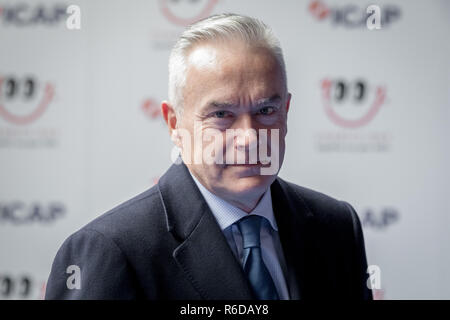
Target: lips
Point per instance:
(249, 165)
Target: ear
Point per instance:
(169, 115)
(288, 102)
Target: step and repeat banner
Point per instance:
(81, 131)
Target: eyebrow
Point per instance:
(264, 101)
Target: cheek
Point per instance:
(275, 121)
(276, 134)
(218, 123)
(270, 121)
(216, 175)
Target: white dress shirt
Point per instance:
(271, 250)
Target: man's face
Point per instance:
(233, 86)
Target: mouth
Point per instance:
(248, 165)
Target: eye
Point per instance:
(267, 111)
(221, 114)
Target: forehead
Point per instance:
(202, 57)
(231, 70)
(231, 56)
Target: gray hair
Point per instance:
(217, 27)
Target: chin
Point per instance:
(245, 183)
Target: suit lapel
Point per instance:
(203, 254)
(294, 221)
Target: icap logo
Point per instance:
(24, 99)
(351, 104)
(352, 15)
(24, 14)
(185, 12)
(380, 219)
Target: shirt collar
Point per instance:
(226, 214)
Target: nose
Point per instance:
(246, 138)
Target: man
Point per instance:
(215, 227)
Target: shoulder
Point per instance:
(140, 216)
(104, 250)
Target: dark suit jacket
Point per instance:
(166, 244)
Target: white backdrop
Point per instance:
(81, 132)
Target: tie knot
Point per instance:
(250, 227)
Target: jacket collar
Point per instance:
(203, 246)
(295, 225)
(203, 254)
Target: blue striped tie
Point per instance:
(260, 280)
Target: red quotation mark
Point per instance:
(319, 10)
(151, 108)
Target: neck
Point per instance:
(246, 202)
(248, 205)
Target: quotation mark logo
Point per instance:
(74, 280)
(24, 99)
(351, 104)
